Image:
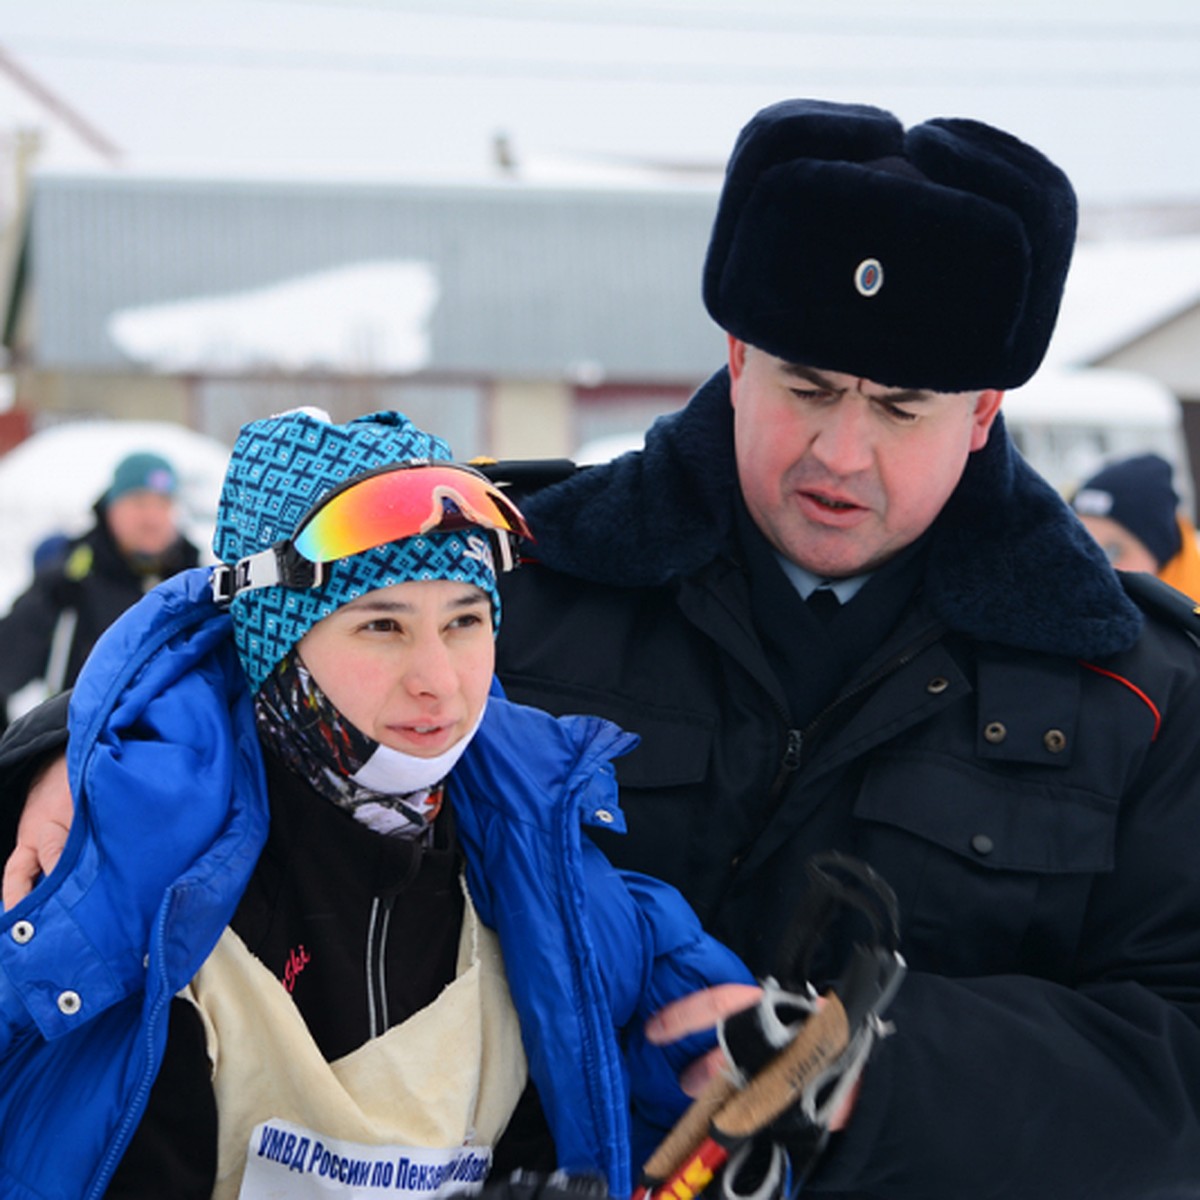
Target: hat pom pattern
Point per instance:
(279, 469)
(281, 466)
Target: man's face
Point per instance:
(840, 473)
(142, 522)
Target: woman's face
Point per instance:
(410, 665)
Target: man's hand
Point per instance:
(41, 832)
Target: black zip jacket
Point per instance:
(1003, 734)
(94, 583)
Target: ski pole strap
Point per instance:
(838, 884)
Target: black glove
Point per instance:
(533, 1185)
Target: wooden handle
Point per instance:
(690, 1130)
(780, 1083)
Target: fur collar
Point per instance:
(1008, 561)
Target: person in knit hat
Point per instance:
(1132, 510)
(76, 593)
(327, 916)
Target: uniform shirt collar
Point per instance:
(805, 582)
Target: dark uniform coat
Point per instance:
(992, 724)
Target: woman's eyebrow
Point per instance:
(380, 604)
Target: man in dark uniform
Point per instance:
(843, 613)
(134, 544)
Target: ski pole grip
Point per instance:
(823, 1037)
(688, 1132)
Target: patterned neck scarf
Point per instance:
(392, 793)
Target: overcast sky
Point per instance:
(394, 88)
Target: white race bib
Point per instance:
(285, 1161)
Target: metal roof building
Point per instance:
(593, 292)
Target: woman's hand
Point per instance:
(703, 1010)
(691, 1014)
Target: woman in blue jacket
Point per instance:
(326, 921)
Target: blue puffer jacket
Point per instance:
(170, 817)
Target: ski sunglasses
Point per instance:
(388, 504)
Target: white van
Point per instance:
(1068, 423)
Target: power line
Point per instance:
(747, 18)
(53, 103)
(723, 73)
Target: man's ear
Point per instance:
(737, 357)
(987, 406)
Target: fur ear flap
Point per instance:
(933, 258)
(974, 157)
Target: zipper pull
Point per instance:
(794, 751)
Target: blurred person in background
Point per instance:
(83, 584)
(50, 551)
(1132, 510)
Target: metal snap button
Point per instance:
(982, 844)
(1055, 741)
(937, 685)
(69, 1003)
(995, 732)
(22, 932)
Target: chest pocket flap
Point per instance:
(1000, 819)
(673, 751)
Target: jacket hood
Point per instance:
(1008, 560)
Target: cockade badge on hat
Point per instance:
(868, 276)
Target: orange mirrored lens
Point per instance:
(401, 503)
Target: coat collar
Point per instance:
(1008, 562)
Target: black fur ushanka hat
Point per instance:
(931, 258)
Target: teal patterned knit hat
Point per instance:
(280, 468)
